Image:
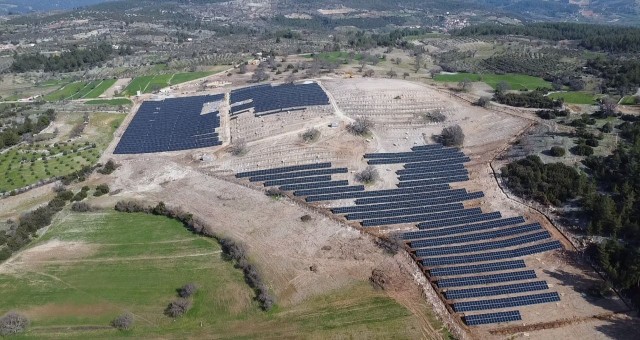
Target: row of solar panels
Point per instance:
(448, 240)
(419, 153)
(281, 97)
(516, 288)
(506, 302)
(418, 202)
(489, 318)
(414, 235)
(491, 256)
(452, 179)
(445, 158)
(431, 168)
(486, 279)
(484, 246)
(284, 169)
(424, 191)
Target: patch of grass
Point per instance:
(135, 262)
(113, 102)
(515, 81)
(575, 97)
(628, 100)
(65, 92)
(99, 89)
(179, 78)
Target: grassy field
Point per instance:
(629, 100)
(113, 102)
(575, 97)
(81, 90)
(149, 84)
(515, 81)
(134, 262)
(28, 164)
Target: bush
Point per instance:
(557, 151)
(305, 218)
(123, 322)
(131, 207)
(607, 128)
(436, 116)
(65, 195)
(452, 136)
(108, 167)
(79, 196)
(592, 142)
(311, 135)
(13, 323)
(101, 189)
(81, 207)
(368, 175)
(238, 148)
(178, 308)
(483, 101)
(274, 193)
(187, 290)
(582, 150)
(360, 127)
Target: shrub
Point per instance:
(452, 136)
(65, 195)
(483, 101)
(435, 116)
(368, 175)
(238, 148)
(557, 151)
(79, 196)
(123, 322)
(101, 189)
(305, 218)
(311, 135)
(131, 207)
(187, 290)
(607, 128)
(13, 323)
(274, 193)
(592, 142)
(108, 167)
(361, 126)
(81, 207)
(178, 308)
(582, 150)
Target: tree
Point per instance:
(607, 128)
(452, 136)
(502, 87)
(465, 84)
(187, 290)
(369, 73)
(178, 308)
(238, 147)
(311, 135)
(608, 107)
(13, 323)
(483, 101)
(361, 126)
(398, 61)
(392, 74)
(259, 75)
(417, 62)
(242, 69)
(557, 151)
(123, 322)
(405, 75)
(367, 176)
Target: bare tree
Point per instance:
(608, 107)
(13, 323)
(178, 308)
(392, 74)
(361, 126)
(123, 322)
(368, 73)
(368, 176)
(398, 61)
(311, 135)
(187, 290)
(238, 147)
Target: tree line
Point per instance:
(14, 134)
(617, 39)
(68, 61)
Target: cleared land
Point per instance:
(515, 81)
(92, 267)
(575, 97)
(114, 102)
(148, 84)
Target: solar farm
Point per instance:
(465, 252)
(488, 265)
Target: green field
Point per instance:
(149, 84)
(629, 100)
(81, 90)
(113, 102)
(135, 262)
(575, 97)
(515, 81)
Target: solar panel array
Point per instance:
(171, 124)
(457, 246)
(488, 318)
(272, 99)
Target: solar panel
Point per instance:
(476, 247)
(489, 318)
(406, 211)
(441, 162)
(427, 147)
(506, 302)
(421, 217)
(477, 268)
(287, 97)
(432, 190)
(317, 185)
(294, 174)
(439, 174)
(298, 180)
(418, 159)
(463, 229)
(419, 153)
(491, 256)
(284, 169)
(408, 184)
(515, 288)
(331, 190)
(429, 169)
(427, 193)
(459, 220)
(476, 237)
(407, 204)
(486, 279)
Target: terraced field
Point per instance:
(81, 90)
(515, 81)
(149, 84)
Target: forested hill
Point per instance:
(25, 6)
(593, 37)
